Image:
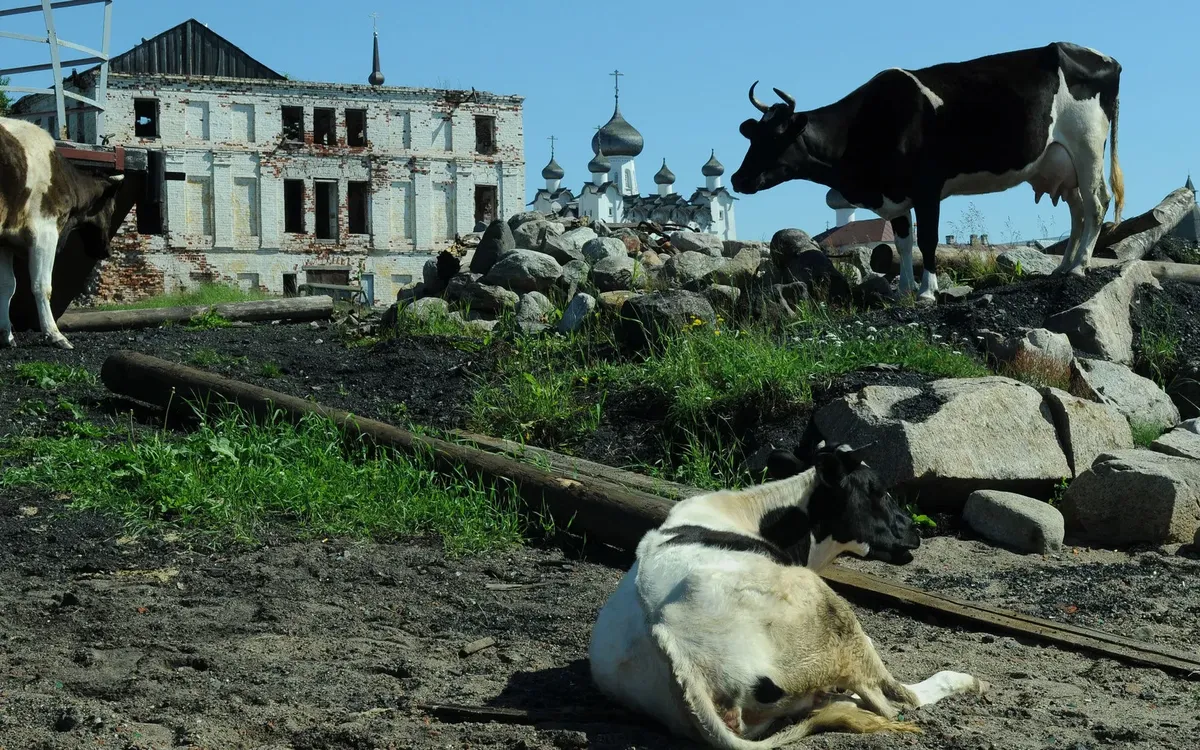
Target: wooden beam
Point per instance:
(605, 511)
(296, 309)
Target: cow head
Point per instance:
(777, 150)
(93, 215)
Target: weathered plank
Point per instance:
(296, 309)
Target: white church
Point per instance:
(612, 195)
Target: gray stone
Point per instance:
(534, 307)
(1183, 441)
(604, 247)
(429, 274)
(741, 269)
(496, 241)
(956, 293)
(1086, 429)
(1100, 326)
(529, 236)
(651, 259)
(574, 275)
(1184, 389)
(697, 242)
(613, 302)
(1140, 399)
(577, 313)
(1135, 496)
(1015, 521)
(858, 256)
(1031, 261)
(601, 229)
(816, 270)
(481, 324)
(731, 248)
(789, 243)
(952, 437)
(427, 308)
(567, 246)
(613, 273)
(646, 317)
(524, 271)
(723, 298)
(691, 270)
(469, 291)
(524, 217)
(1034, 342)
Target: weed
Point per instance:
(49, 376)
(1145, 433)
(919, 518)
(205, 294)
(1038, 370)
(1160, 355)
(213, 358)
(233, 476)
(270, 370)
(206, 321)
(1060, 491)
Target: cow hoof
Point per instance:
(8, 342)
(61, 343)
(927, 299)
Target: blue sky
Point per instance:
(688, 66)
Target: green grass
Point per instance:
(981, 271)
(1144, 434)
(49, 376)
(206, 321)
(205, 294)
(213, 358)
(234, 478)
(1160, 355)
(270, 370)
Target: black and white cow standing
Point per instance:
(43, 198)
(906, 139)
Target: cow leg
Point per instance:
(1089, 170)
(928, 212)
(1075, 203)
(8, 286)
(41, 274)
(902, 228)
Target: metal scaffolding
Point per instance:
(56, 64)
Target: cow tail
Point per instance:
(1116, 178)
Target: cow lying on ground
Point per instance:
(906, 139)
(723, 631)
(43, 198)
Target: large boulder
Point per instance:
(427, 308)
(1100, 326)
(469, 291)
(1140, 399)
(531, 234)
(517, 220)
(1030, 260)
(692, 270)
(497, 240)
(1183, 441)
(816, 271)
(1135, 496)
(731, 248)
(741, 269)
(600, 248)
(697, 242)
(789, 243)
(577, 313)
(1086, 429)
(613, 273)
(567, 246)
(524, 271)
(1015, 521)
(648, 317)
(952, 437)
(534, 307)
(1036, 343)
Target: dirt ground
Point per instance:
(108, 642)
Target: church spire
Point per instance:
(376, 77)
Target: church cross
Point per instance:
(616, 74)
(552, 139)
(375, 22)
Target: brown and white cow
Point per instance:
(43, 198)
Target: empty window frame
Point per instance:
(327, 209)
(357, 198)
(324, 126)
(289, 285)
(293, 206)
(485, 203)
(356, 127)
(293, 123)
(145, 118)
(485, 134)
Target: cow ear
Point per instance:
(799, 122)
(830, 470)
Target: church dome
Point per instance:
(664, 176)
(552, 171)
(599, 164)
(712, 167)
(834, 200)
(617, 137)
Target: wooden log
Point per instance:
(297, 309)
(571, 466)
(885, 258)
(1133, 237)
(603, 510)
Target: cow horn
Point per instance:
(787, 98)
(757, 104)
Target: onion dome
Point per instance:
(552, 171)
(712, 167)
(600, 164)
(834, 200)
(664, 176)
(617, 137)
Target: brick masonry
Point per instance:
(224, 220)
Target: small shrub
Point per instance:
(271, 370)
(206, 321)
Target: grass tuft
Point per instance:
(49, 376)
(1038, 370)
(1145, 433)
(234, 477)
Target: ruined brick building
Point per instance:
(265, 176)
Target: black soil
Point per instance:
(1172, 313)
